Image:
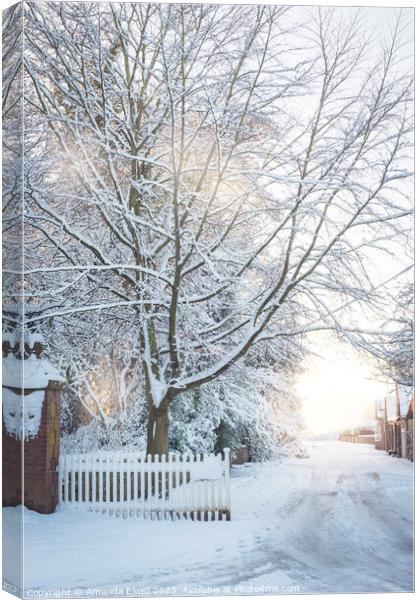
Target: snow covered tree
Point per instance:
(399, 350)
(392, 344)
(205, 175)
(12, 160)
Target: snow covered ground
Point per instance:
(339, 521)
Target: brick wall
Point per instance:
(40, 460)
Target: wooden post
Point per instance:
(227, 482)
(385, 437)
(397, 402)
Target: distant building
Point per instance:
(358, 435)
(395, 422)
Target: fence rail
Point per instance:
(173, 486)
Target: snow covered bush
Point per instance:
(125, 432)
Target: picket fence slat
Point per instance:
(173, 486)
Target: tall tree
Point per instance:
(203, 176)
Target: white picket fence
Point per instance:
(173, 486)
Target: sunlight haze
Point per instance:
(338, 388)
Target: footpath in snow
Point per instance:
(338, 521)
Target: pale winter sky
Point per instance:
(339, 387)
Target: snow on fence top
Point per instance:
(199, 466)
(210, 467)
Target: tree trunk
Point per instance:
(157, 431)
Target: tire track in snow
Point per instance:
(343, 534)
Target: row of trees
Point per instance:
(202, 185)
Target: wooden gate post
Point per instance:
(31, 427)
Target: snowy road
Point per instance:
(347, 524)
(339, 521)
